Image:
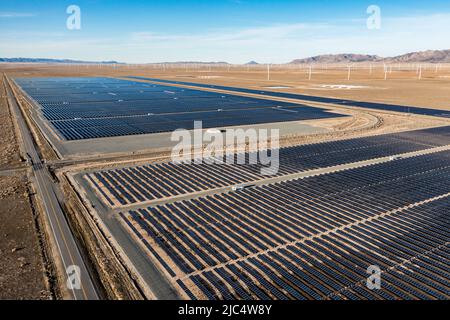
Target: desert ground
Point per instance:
(404, 84)
(412, 85)
(24, 272)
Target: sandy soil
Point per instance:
(9, 150)
(402, 86)
(360, 126)
(22, 273)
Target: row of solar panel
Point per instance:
(259, 226)
(110, 113)
(262, 232)
(99, 127)
(110, 95)
(42, 91)
(176, 179)
(47, 86)
(70, 97)
(137, 108)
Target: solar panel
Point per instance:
(87, 108)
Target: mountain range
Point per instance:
(46, 60)
(430, 56)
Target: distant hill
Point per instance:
(338, 58)
(45, 60)
(194, 62)
(430, 56)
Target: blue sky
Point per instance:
(235, 31)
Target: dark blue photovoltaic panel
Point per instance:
(313, 238)
(86, 108)
(183, 178)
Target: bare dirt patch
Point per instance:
(23, 273)
(9, 150)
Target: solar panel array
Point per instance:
(85, 108)
(137, 184)
(311, 238)
(348, 103)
